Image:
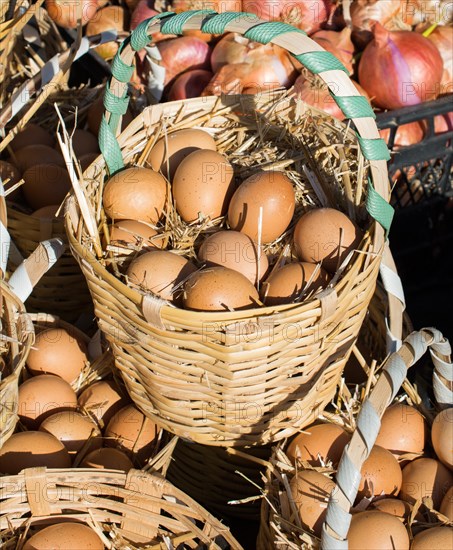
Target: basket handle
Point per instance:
(338, 517)
(312, 56)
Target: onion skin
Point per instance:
(442, 38)
(339, 44)
(189, 84)
(66, 13)
(443, 123)
(183, 53)
(400, 68)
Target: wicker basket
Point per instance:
(237, 378)
(16, 339)
(128, 511)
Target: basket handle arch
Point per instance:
(338, 518)
(312, 56)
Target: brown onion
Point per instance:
(183, 53)
(400, 68)
(110, 17)
(442, 37)
(443, 123)
(67, 13)
(406, 134)
(337, 43)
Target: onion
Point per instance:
(67, 13)
(443, 123)
(442, 37)
(432, 11)
(400, 68)
(314, 92)
(142, 11)
(406, 134)
(110, 17)
(183, 53)
(337, 43)
(189, 84)
(219, 6)
(307, 15)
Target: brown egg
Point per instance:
(236, 251)
(325, 235)
(393, 506)
(32, 134)
(84, 142)
(202, 185)
(46, 211)
(403, 430)
(381, 474)
(43, 395)
(321, 440)
(65, 536)
(73, 430)
(37, 154)
(96, 111)
(58, 351)
(311, 490)
(434, 538)
(175, 147)
(161, 272)
(446, 507)
(9, 174)
(287, 284)
(273, 193)
(31, 449)
(132, 432)
(136, 233)
(45, 184)
(107, 459)
(135, 194)
(378, 531)
(219, 289)
(102, 400)
(425, 477)
(442, 436)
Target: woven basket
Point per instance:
(224, 378)
(16, 339)
(128, 511)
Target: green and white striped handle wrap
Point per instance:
(301, 47)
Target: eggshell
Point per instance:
(324, 440)
(107, 459)
(43, 395)
(175, 147)
(31, 449)
(46, 212)
(236, 251)
(434, 538)
(425, 477)
(136, 233)
(394, 506)
(73, 430)
(45, 184)
(32, 134)
(403, 430)
(273, 192)
(65, 536)
(202, 185)
(84, 142)
(102, 400)
(132, 432)
(325, 235)
(58, 351)
(219, 289)
(135, 194)
(160, 272)
(381, 474)
(377, 531)
(293, 280)
(311, 490)
(442, 436)
(37, 154)
(446, 507)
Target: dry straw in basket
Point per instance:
(240, 378)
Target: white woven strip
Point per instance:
(86, 43)
(392, 283)
(20, 283)
(336, 518)
(348, 476)
(331, 543)
(442, 394)
(19, 99)
(418, 345)
(54, 248)
(50, 70)
(444, 368)
(392, 342)
(397, 370)
(442, 347)
(5, 243)
(368, 424)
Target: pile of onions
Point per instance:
(442, 37)
(307, 15)
(239, 63)
(400, 68)
(339, 44)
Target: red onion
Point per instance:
(189, 84)
(406, 134)
(337, 43)
(400, 68)
(183, 53)
(307, 15)
(442, 37)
